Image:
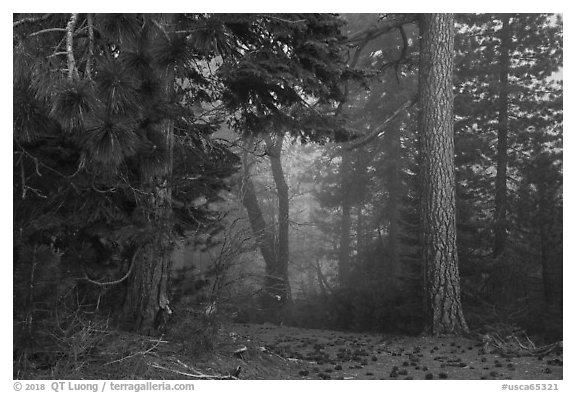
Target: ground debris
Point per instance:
(511, 341)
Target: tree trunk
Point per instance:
(346, 223)
(360, 232)
(393, 204)
(280, 277)
(276, 286)
(345, 174)
(146, 306)
(443, 310)
(549, 222)
(502, 154)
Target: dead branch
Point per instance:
(72, 72)
(90, 47)
(115, 282)
(284, 20)
(196, 376)
(31, 20)
(379, 129)
(156, 344)
(50, 30)
(376, 30)
(513, 345)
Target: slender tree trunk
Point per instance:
(146, 306)
(345, 173)
(443, 310)
(549, 226)
(500, 221)
(549, 221)
(360, 232)
(346, 223)
(393, 204)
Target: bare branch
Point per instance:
(284, 20)
(23, 179)
(50, 30)
(115, 282)
(196, 376)
(31, 20)
(90, 47)
(72, 72)
(378, 130)
(376, 30)
(57, 54)
(161, 28)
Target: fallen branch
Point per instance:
(156, 344)
(513, 345)
(196, 376)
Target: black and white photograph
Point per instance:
(287, 196)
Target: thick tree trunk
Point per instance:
(146, 306)
(346, 222)
(500, 221)
(443, 310)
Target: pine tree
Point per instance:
(112, 157)
(503, 74)
(443, 310)
(292, 59)
(505, 88)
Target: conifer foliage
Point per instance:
(112, 121)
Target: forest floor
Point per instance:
(271, 352)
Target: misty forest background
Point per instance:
(215, 168)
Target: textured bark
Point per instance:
(346, 223)
(443, 310)
(502, 154)
(146, 303)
